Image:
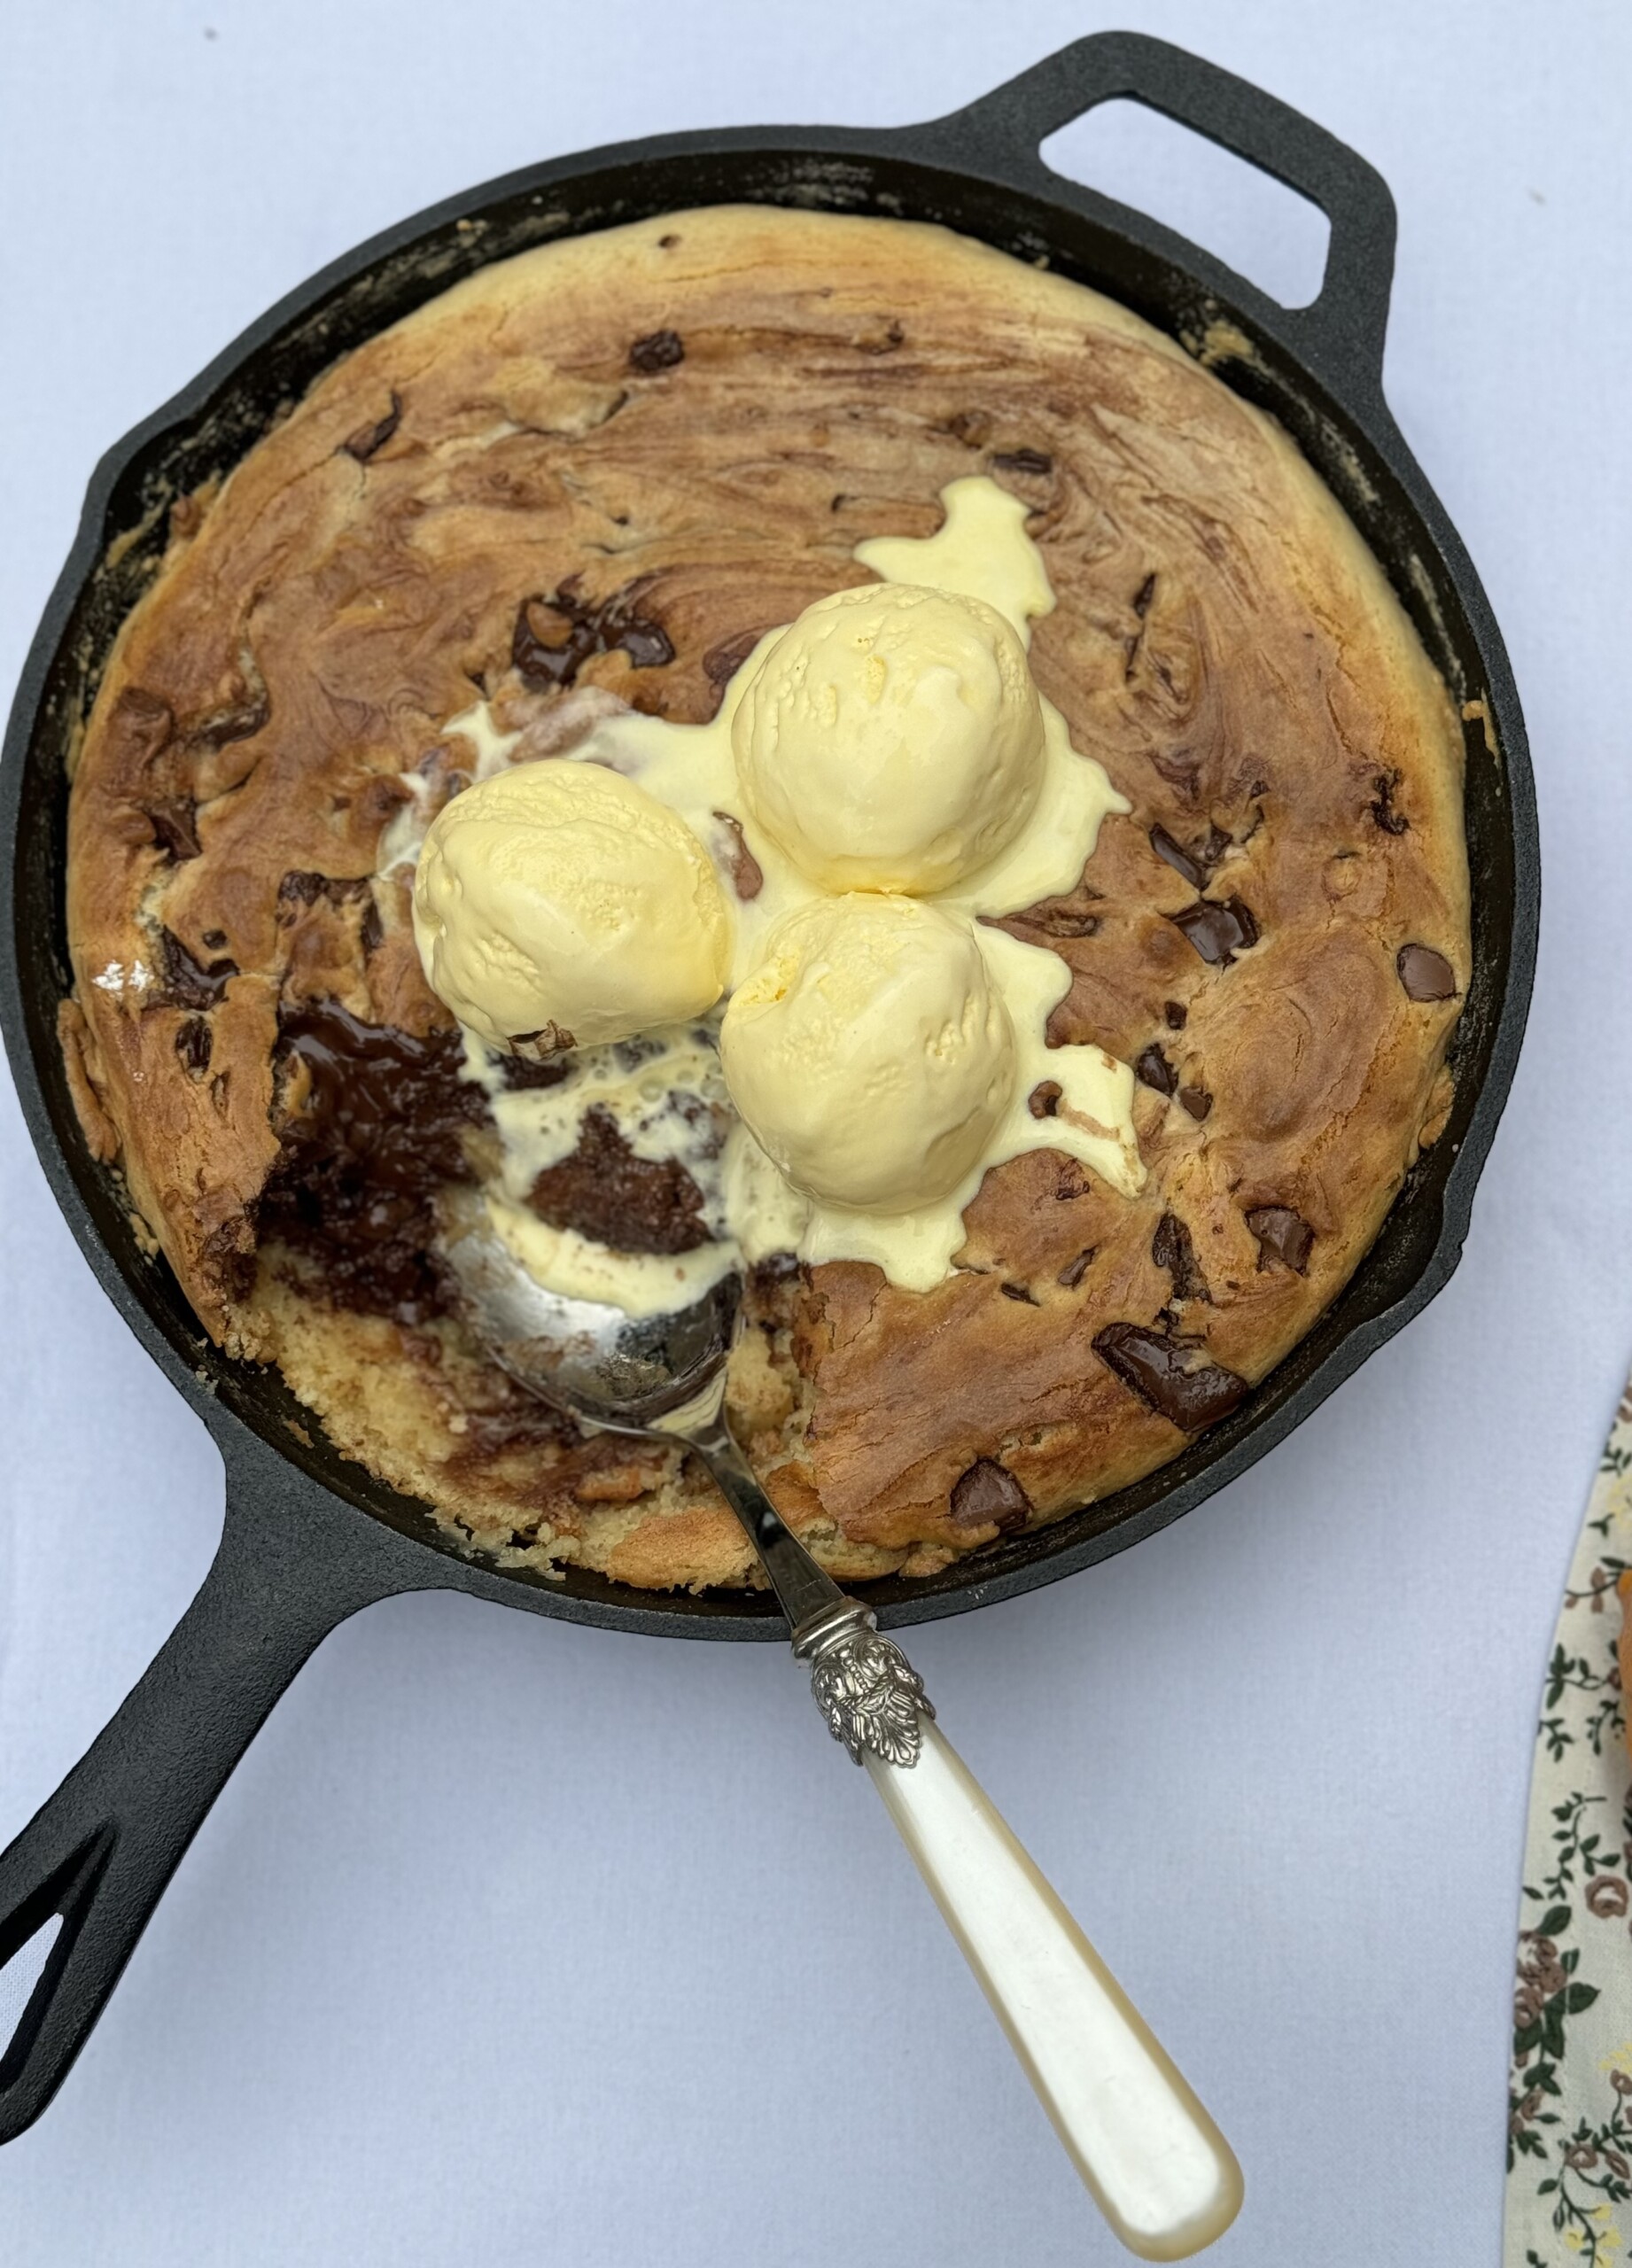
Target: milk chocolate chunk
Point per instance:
(1382, 809)
(1070, 916)
(1043, 1100)
(366, 439)
(1172, 1248)
(1426, 975)
(1176, 1014)
(604, 1191)
(554, 635)
(1162, 1370)
(747, 875)
(1071, 1275)
(658, 350)
(1218, 927)
(1196, 1100)
(185, 983)
(1284, 1237)
(1152, 1069)
(988, 1492)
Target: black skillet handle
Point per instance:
(100, 1850)
(1342, 333)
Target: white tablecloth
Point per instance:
(513, 1943)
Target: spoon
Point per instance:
(1158, 2168)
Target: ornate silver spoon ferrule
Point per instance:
(872, 1698)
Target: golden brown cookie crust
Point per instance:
(705, 414)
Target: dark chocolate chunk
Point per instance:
(659, 350)
(1187, 868)
(1172, 1248)
(988, 1492)
(1017, 1292)
(175, 824)
(1390, 820)
(1196, 1100)
(214, 941)
(363, 443)
(1426, 975)
(193, 1044)
(300, 887)
(1037, 461)
(747, 875)
(1285, 1238)
(776, 1269)
(377, 1129)
(606, 1193)
(1073, 1182)
(372, 931)
(1176, 1014)
(543, 656)
(1152, 1069)
(1143, 596)
(184, 983)
(1071, 1275)
(1043, 1100)
(1162, 1370)
(667, 243)
(1218, 927)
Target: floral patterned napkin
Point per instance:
(1569, 2156)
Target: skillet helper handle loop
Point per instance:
(1343, 330)
(1157, 2166)
(99, 1851)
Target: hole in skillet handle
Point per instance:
(1267, 232)
(1340, 333)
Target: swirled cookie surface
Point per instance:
(600, 472)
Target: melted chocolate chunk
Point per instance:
(1020, 1292)
(1172, 1248)
(521, 1073)
(1285, 1238)
(1071, 1275)
(721, 663)
(378, 1132)
(604, 1191)
(972, 427)
(1391, 821)
(1152, 1069)
(1143, 596)
(366, 439)
(173, 819)
(185, 983)
(1043, 1100)
(1196, 1100)
(1154, 1365)
(215, 940)
(1218, 929)
(542, 660)
(300, 887)
(658, 350)
(1036, 460)
(747, 875)
(988, 1492)
(775, 1269)
(193, 1044)
(1426, 975)
(1176, 1014)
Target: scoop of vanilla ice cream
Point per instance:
(561, 893)
(868, 1053)
(891, 739)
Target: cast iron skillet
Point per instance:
(309, 1538)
